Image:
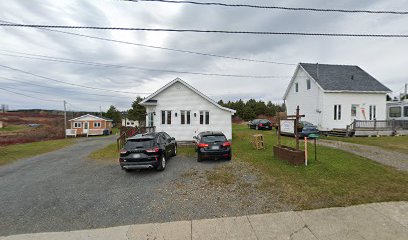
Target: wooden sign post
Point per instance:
(290, 126)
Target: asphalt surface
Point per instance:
(63, 191)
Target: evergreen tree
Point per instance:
(137, 112)
(114, 114)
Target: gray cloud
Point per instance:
(383, 58)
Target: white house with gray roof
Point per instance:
(333, 96)
(182, 111)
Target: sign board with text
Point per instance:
(287, 126)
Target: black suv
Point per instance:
(212, 145)
(259, 124)
(149, 150)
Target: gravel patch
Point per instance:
(65, 191)
(232, 189)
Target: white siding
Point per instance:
(363, 100)
(178, 98)
(308, 100)
(318, 106)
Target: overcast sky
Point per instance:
(385, 59)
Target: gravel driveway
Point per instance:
(63, 190)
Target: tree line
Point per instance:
(252, 109)
(245, 110)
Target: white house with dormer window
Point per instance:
(182, 111)
(333, 96)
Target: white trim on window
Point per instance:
(97, 124)
(77, 124)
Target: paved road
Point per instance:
(390, 158)
(63, 190)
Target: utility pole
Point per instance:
(65, 119)
(406, 91)
(100, 111)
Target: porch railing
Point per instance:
(385, 125)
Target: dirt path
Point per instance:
(390, 158)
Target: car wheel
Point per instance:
(162, 163)
(256, 128)
(199, 159)
(175, 151)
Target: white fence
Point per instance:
(71, 132)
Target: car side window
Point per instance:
(167, 135)
(163, 138)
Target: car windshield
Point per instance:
(264, 121)
(214, 138)
(307, 123)
(139, 143)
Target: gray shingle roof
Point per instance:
(343, 78)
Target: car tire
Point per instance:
(162, 163)
(199, 159)
(256, 128)
(175, 151)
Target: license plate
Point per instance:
(266, 127)
(215, 147)
(136, 155)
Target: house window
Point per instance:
(337, 112)
(354, 110)
(169, 117)
(308, 84)
(185, 117)
(150, 120)
(97, 124)
(296, 87)
(372, 112)
(77, 124)
(166, 117)
(395, 112)
(406, 111)
(204, 117)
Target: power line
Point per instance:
(277, 7)
(86, 100)
(165, 48)
(369, 35)
(42, 99)
(72, 84)
(66, 60)
(43, 86)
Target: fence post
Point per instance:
(375, 124)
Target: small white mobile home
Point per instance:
(182, 111)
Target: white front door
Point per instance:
(86, 128)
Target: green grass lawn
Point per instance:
(108, 153)
(337, 178)
(13, 128)
(14, 152)
(393, 143)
